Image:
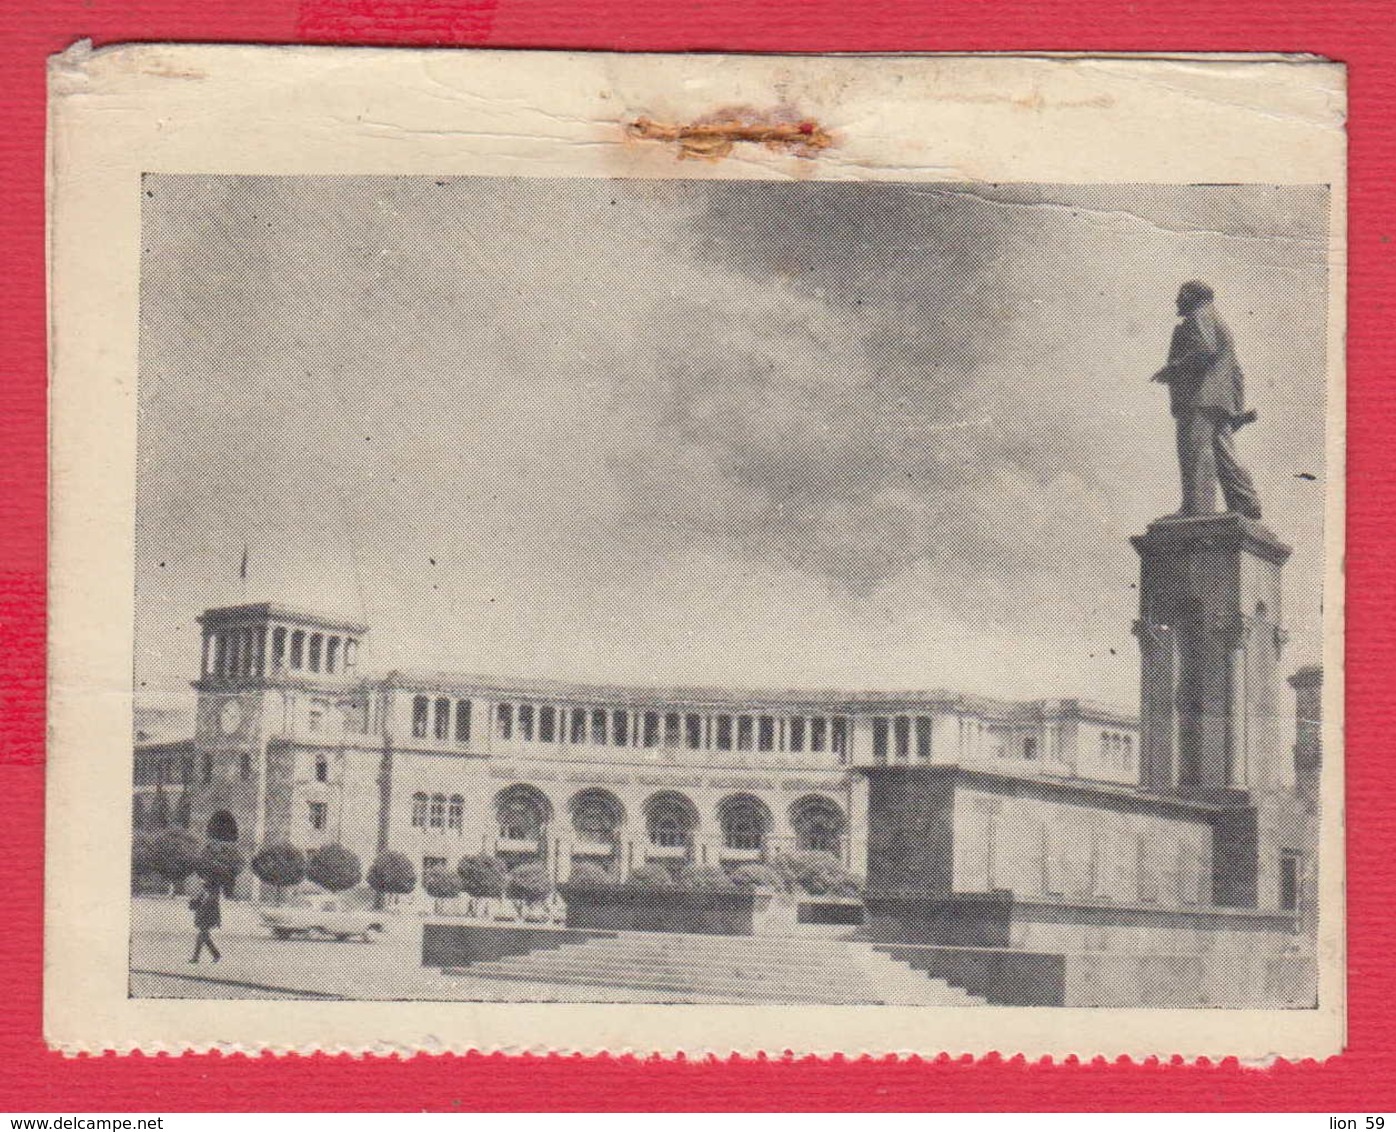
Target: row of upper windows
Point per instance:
(445, 719)
(241, 652)
(894, 735)
(622, 728)
(441, 719)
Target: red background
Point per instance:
(1358, 32)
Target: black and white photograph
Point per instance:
(637, 591)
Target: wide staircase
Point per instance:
(739, 968)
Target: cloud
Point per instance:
(847, 406)
(873, 435)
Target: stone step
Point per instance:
(596, 961)
(599, 967)
(740, 967)
(663, 985)
(731, 959)
(936, 993)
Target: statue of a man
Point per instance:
(1207, 399)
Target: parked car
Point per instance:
(330, 920)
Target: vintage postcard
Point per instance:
(582, 552)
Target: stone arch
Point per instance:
(597, 815)
(671, 819)
(746, 822)
(523, 812)
(222, 826)
(819, 823)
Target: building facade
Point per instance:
(292, 742)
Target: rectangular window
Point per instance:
(902, 733)
(724, 732)
(744, 733)
(319, 815)
(797, 734)
(462, 721)
(505, 715)
(1289, 880)
(316, 643)
(245, 766)
(766, 733)
(322, 768)
(579, 725)
(672, 730)
(880, 729)
(547, 725)
(818, 734)
(332, 655)
(526, 722)
(693, 732)
(923, 738)
(598, 727)
(442, 723)
(421, 706)
(316, 719)
(620, 728)
(651, 732)
(1030, 748)
(438, 811)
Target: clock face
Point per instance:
(230, 717)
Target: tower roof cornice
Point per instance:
(278, 611)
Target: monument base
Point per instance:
(1001, 919)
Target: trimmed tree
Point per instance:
(334, 868)
(705, 878)
(651, 875)
(174, 855)
(530, 882)
(441, 884)
(757, 875)
(220, 863)
(142, 858)
(482, 877)
(391, 873)
(280, 865)
(590, 874)
(816, 873)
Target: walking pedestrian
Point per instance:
(208, 914)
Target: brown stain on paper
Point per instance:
(713, 138)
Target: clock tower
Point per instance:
(268, 672)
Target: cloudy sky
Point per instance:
(826, 434)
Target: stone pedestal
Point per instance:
(1210, 639)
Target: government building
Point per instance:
(293, 742)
